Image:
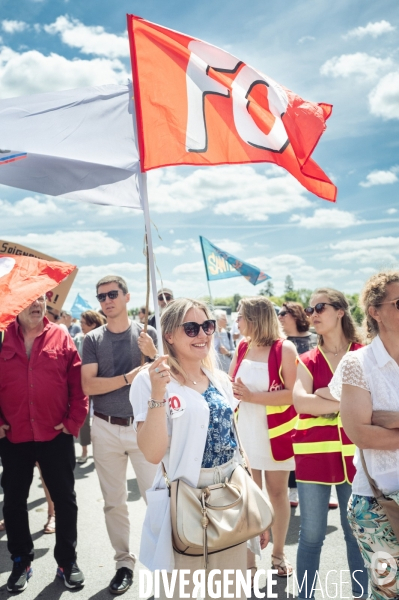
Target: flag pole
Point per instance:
(210, 294)
(142, 177)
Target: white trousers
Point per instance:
(112, 446)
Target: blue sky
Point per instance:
(343, 53)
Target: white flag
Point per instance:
(78, 144)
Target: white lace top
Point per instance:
(373, 369)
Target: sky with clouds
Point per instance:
(343, 53)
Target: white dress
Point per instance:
(252, 420)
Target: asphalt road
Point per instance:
(95, 554)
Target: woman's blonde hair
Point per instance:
(263, 326)
(172, 317)
(373, 294)
(338, 300)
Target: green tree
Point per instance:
(288, 284)
(267, 289)
(355, 309)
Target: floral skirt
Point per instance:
(378, 546)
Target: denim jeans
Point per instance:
(313, 504)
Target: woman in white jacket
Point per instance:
(184, 410)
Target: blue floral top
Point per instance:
(220, 441)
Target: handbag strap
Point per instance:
(375, 489)
(240, 448)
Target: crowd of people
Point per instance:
(314, 399)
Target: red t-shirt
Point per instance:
(42, 391)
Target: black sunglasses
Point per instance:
(191, 328)
(319, 308)
(282, 313)
(56, 317)
(111, 295)
(167, 297)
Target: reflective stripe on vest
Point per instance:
(322, 436)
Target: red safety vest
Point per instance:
(323, 451)
(281, 420)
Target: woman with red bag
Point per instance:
(264, 372)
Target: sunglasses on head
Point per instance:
(167, 297)
(111, 295)
(319, 308)
(191, 328)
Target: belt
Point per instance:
(115, 420)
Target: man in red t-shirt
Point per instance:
(42, 406)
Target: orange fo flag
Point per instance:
(196, 104)
(23, 279)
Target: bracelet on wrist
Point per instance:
(125, 378)
(155, 404)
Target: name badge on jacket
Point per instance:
(177, 406)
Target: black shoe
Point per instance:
(122, 581)
(20, 575)
(72, 576)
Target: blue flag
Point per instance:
(222, 265)
(79, 306)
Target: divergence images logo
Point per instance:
(383, 568)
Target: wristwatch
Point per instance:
(154, 404)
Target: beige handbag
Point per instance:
(219, 516)
(389, 506)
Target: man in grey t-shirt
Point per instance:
(111, 359)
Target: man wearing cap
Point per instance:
(67, 320)
(165, 295)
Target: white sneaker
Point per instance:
(293, 496)
(333, 502)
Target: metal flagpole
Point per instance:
(142, 177)
(210, 294)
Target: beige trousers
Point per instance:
(232, 558)
(112, 446)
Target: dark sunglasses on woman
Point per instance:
(191, 328)
(319, 308)
(282, 313)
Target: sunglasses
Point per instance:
(192, 329)
(282, 313)
(395, 302)
(55, 317)
(111, 295)
(166, 296)
(319, 308)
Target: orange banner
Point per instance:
(197, 104)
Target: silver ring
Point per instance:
(157, 370)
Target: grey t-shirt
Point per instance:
(115, 354)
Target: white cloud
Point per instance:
(329, 218)
(306, 38)
(32, 72)
(381, 251)
(368, 243)
(360, 63)
(71, 243)
(373, 29)
(13, 26)
(392, 211)
(384, 98)
(188, 268)
(89, 39)
(379, 178)
(30, 207)
(238, 190)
